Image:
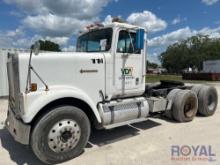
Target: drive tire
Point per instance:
(208, 101)
(171, 96)
(42, 130)
(185, 106)
(197, 88)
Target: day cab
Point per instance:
(55, 98)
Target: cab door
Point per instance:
(129, 65)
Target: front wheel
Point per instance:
(60, 135)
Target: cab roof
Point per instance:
(111, 25)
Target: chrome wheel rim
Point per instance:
(189, 107)
(64, 136)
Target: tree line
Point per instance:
(49, 46)
(191, 52)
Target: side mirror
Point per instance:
(36, 48)
(140, 39)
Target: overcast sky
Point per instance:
(168, 21)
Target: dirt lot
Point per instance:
(139, 144)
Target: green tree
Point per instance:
(151, 65)
(49, 46)
(191, 52)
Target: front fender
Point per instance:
(33, 102)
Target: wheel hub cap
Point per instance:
(64, 136)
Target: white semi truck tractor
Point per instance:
(56, 98)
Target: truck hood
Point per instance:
(61, 68)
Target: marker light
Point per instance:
(33, 87)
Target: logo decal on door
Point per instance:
(127, 75)
(128, 71)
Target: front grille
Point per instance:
(11, 102)
(13, 83)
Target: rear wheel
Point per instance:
(171, 96)
(208, 100)
(197, 88)
(60, 135)
(185, 105)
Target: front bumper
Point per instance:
(19, 130)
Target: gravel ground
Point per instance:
(139, 144)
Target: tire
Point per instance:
(185, 106)
(197, 88)
(208, 101)
(171, 96)
(60, 135)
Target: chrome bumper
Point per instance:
(19, 130)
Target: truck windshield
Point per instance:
(95, 41)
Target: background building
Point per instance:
(212, 66)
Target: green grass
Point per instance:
(156, 78)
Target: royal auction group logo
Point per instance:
(193, 153)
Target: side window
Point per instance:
(126, 42)
(99, 40)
